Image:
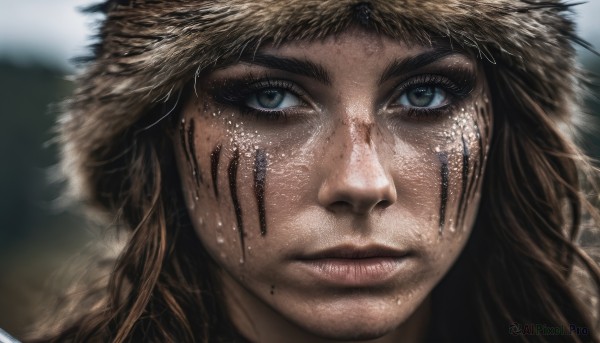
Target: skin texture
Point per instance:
(348, 167)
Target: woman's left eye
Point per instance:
(426, 97)
(272, 99)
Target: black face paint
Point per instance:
(215, 156)
(191, 143)
(465, 179)
(183, 140)
(477, 166)
(232, 171)
(260, 174)
(483, 113)
(444, 173)
(481, 155)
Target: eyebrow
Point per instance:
(291, 65)
(402, 66)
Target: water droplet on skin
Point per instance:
(219, 224)
(234, 228)
(200, 221)
(399, 302)
(220, 239)
(183, 120)
(249, 248)
(241, 260)
(237, 125)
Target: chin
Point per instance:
(356, 320)
(348, 330)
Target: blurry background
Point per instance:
(37, 39)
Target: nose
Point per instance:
(358, 182)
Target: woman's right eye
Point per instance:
(272, 99)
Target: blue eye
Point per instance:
(271, 99)
(423, 97)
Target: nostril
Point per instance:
(384, 204)
(340, 206)
(363, 207)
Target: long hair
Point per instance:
(517, 267)
(521, 266)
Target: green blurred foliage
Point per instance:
(25, 128)
(36, 236)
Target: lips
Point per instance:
(354, 266)
(354, 252)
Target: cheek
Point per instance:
(460, 172)
(226, 178)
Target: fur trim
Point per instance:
(150, 49)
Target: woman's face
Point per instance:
(335, 182)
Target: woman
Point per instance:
(334, 170)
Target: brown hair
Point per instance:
(517, 268)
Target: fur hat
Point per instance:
(150, 49)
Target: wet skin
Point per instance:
(339, 182)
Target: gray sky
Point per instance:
(54, 30)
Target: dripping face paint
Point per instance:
(350, 180)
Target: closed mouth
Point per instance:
(354, 266)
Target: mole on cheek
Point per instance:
(260, 174)
(232, 172)
(444, 173)
(215, 156)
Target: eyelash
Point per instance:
(455, 92)
(236, 93)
